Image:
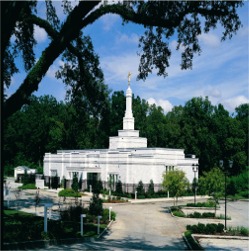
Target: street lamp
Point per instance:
(195, 169)
(99, 217)
(81, 224)
(230, 164)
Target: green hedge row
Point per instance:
(209, 228)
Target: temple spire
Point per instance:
(128, 120)
(129, 79)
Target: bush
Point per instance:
(206, 229)
(119, 189)
(106, 215)
(68, 192)
(140, 190)
(194, 245)
(199, 215)
(96, 207)
(28, 186)
(202, 204)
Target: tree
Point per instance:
(175, 182)
(75, 184)
(212, 183)
(151, 190)
(119, 188)
(161, 20)
(96, 206)
(140, 190)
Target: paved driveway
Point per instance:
(146, 227)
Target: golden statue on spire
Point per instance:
(129, 78)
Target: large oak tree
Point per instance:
(161, 20)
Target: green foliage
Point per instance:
(68, 193)
(176, 211)
(151, 191)
(75, 184)
(27, 186)
(209, 228)
(175, 182)
(97, 187)
(242, 231)
(213, 183)
(95, 206)
(119, 188)
(140, 190)
(238, 185)
(201, 215)
(105, 217)
(72, 213)
(209, 203)
(20, 226)
(194, 245)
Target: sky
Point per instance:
(220, 72)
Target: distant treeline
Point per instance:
(46, 125)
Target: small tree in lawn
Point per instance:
(175, 182)
(151, 190)
(119, 189)
(95, 206)
(75, 186)
(140, 189)
(212, 183)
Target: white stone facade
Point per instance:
(128, 159)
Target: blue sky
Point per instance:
(220, 72)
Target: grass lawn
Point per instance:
(20, 227)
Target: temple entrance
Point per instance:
(93, 182)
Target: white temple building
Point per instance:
(127, 159)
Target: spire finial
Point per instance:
(129, 78)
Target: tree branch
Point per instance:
(69, 31)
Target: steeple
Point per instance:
(128, 137)
(128, 120)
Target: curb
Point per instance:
(108, 226)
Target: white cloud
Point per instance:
(212, 91)
(108, 21)
(40, 34)
(231, 103)
(117, 67)
(124, 38)
(165, 104)
(209, 39)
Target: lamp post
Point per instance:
(99, 217)
(195, 169)
(81, 223)
(230, 164)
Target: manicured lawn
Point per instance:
(20, 227)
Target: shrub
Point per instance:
(72, 213)
(211, 228)
(28, 186)
(194, 245)
(202, 204)
(244, 231)
(206, 229)
(68, 192)
(151, 191)
(178, 213)
(119, 189)
(140, 190)
(220, 228)
(208, 215)
(96, 207)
